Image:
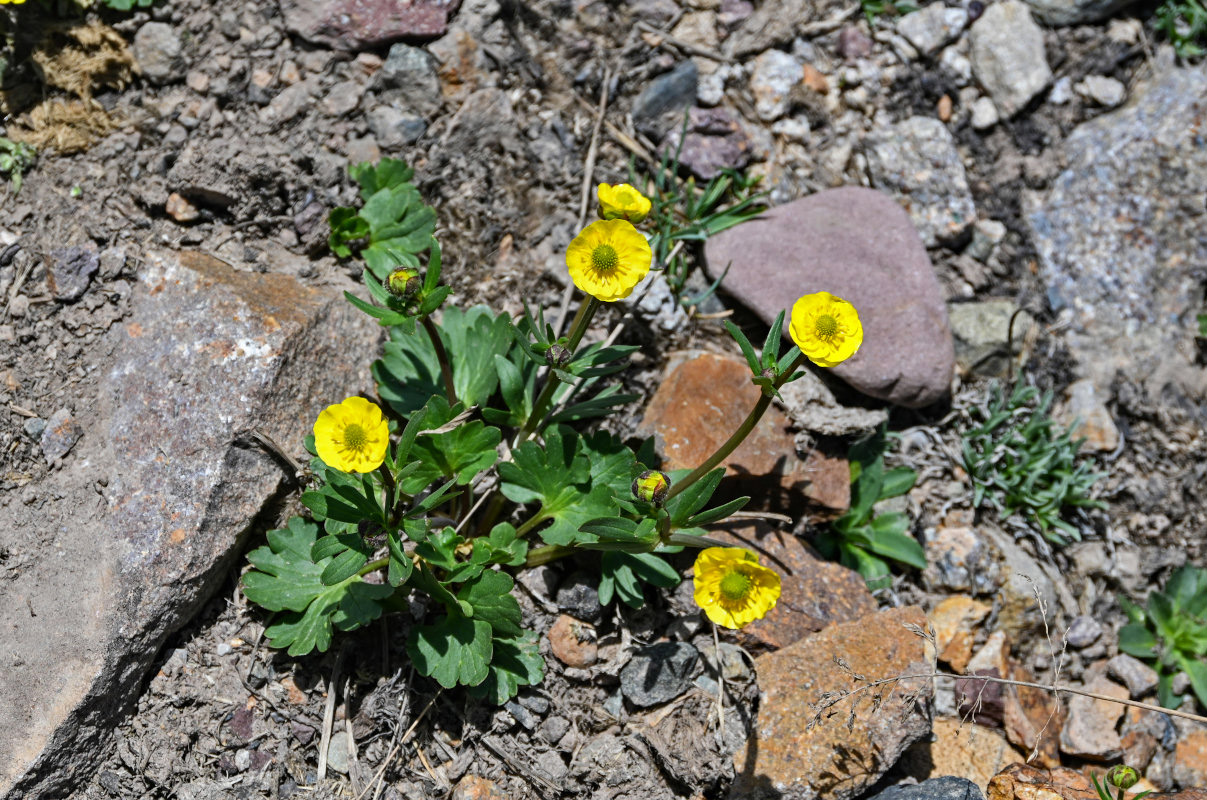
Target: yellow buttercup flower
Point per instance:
(352, 436)
(733, 588)
(826, 328)
(622, 201)
(608, 259)
(14, 2)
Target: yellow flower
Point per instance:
(608, 259)
(622, 201)
(14, 2)
(733, 588)
(826, 328)
(352, 436)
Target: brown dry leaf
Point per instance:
(67, 126)
(82, 58)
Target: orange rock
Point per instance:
(471, 787)
(814, 593)
(1032, 717)
(573, 642)
(700, 403)
(180, 209)
(1190, 759)
(815, 80)
(292, 693)
(944, 109)
(831, 758)
(955, 619)
(970, 751)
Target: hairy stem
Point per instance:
(446, 367)
(731, 444)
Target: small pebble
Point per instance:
(1084, 631)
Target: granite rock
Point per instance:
(880, 266)
(1119, 232)
(947, 787)
(659, 673)
(206, 354)
(1089, 731)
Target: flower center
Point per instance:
(355, 437)
(826, 326)
(604, 258)
(735, 586)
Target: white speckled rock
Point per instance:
(1008, 56)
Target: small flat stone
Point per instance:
(672, 91)
(1085, 408)
(1089, 731)
(960, 560)
(408, 80)
(984, 114)
(773, 76)
(947, 787)
(1138, 677)
(881, 267)
(578, 595)
(982, 335)
(1190, 760)
(814, 593)
(366, 24)
(573, 642)
(61, 433)
(337, 752)
(714, 141)
(932, 26)
(1007, 51)
(853, 44)
(1102, 90)
(180, 209)
(158, 51)
(71, 271)
(803, 762)
(1083, 631)
(659, 673)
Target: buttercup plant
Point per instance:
(475, 462)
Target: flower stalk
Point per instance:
(732, 443)
(446, 367)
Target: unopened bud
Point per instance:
(651, 486)
(404, 283)
(1122, 776)
(557, 356)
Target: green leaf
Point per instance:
(618, 533)
(752, 359)
(455, 650)
(502, 546)
(440, 547)
(343, 567)
(516, 662)
(407, 373)
(459, 454)
(285, 579)
(1137, 640)
(621, 576)
(473, 338)
(558, 476)
(889, 542)
(684, 505)
(490, 595)
(874, 570)
(716, 514)
(388, 173)
(401, 565)
(1196, 670)
(897, 481)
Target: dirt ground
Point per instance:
(224, 716)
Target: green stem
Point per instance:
(577, 328)
(550, 552)
(731, 444)
(446, 367)
(387, 479)
(380, 563)
(532, 522)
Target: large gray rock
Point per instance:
(916, 161)
(1120, 236)
(860, 245)
(1008, 59)
(119, 548)
(945, 788)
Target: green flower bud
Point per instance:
(557, 356)
(404, 283)
(1122, 776)
(652, 486)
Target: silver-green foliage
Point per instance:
(1020, 463)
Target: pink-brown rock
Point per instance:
(573, 642)
(1190, 760)
(860, 245)
(814, 593)
(699, 404)
(366, 24)
(786, 759)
